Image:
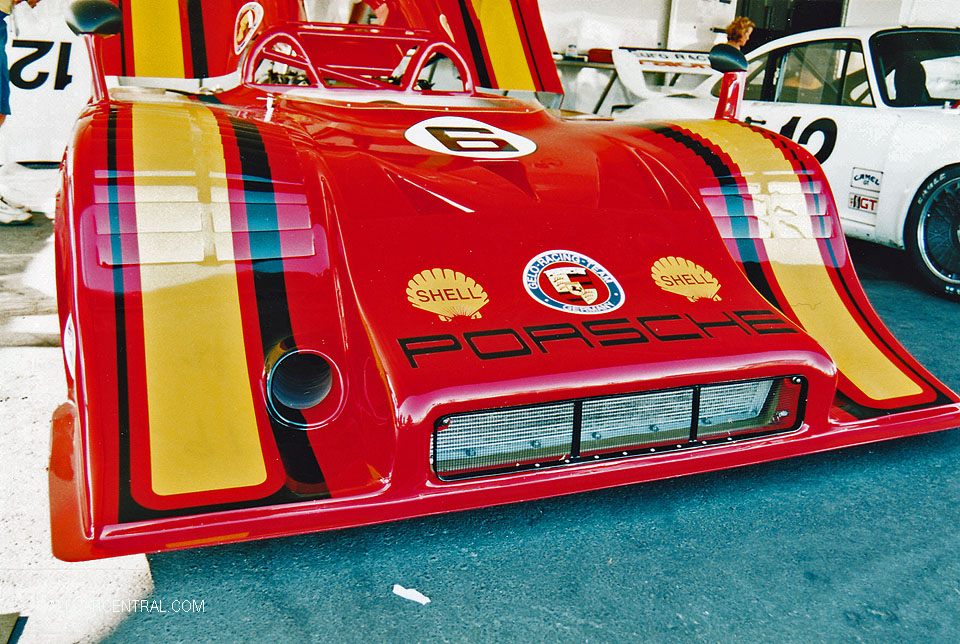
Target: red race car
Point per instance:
(356, 288)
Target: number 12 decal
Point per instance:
(825, 126)
(40, 49)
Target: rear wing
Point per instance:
(632, 63)
(503, 41)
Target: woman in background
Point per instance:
(738, 31)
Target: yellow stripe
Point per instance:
(781, 207)
(203, 430)
(157, 38)
(504, 44)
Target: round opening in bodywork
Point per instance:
(299, 380)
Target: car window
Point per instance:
(856, 87)
(813, 73)
(917, 66)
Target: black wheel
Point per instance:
(932, 232)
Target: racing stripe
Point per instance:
(476, 46)
(508, 56)
(203, 433)
(156, 36)
(123, 463)
(195, 38)
(734, 194)
(798, 265)
(251, 183)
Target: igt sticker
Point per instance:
(463, 137)
(569, 281)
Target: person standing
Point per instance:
(9, 213)
(738, 31)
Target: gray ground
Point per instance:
(857, 545)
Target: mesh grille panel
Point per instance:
(505, 437)
(494, 441)
(727, 408)
(636, 421)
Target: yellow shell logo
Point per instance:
(447, 293)
(683, 277)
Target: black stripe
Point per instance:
(273, 311)
(123, 42)
(198, 39)
(473, 38)
(529, 47)
(127, 507)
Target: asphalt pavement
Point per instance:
(857, 545)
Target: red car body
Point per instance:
(295, 309)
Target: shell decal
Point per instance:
(447, 293)
(683, 277)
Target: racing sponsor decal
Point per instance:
(245, 28)
(686, 278)
(569, 281)
(447, 293)
(863, 203)
(463, 137)
(658, 60)
(866, 179)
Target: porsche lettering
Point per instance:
(507, 342)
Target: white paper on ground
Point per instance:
(411, 594)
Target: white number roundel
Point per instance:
(463, 137)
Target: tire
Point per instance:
(932, 231)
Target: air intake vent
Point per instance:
(484, 443)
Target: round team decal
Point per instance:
(686, 278)
(572, 282)
(463, 137)
(245, 28)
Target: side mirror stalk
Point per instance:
(730, 61)
(92, 18)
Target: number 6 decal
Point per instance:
(825, 126)
(463, 137)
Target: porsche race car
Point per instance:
(878, 108)
(335, 295)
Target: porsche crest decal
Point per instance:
(686, 278)
(248, 21)
(572, 282)
(447, 293)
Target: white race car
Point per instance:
(879, 110)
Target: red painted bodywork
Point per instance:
(382, 210)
